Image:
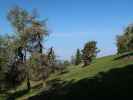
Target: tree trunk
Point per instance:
(28, 79)
(28, 83)
(87, 62)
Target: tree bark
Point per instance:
(28, 79)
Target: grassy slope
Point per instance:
(116, 78)
(103, 64)
(78, 73)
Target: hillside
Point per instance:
(106, 76)
(103, 64)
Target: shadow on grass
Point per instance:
(117, 83)
(17, 94)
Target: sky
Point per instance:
(72, 23)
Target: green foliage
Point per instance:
(14, 63)
(125, 41)
(6, 62)
(121, 44)
(75, 73)
(66, 63)
(78, 57)
(89, 52)
(37, 69)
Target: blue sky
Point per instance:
(74, 22)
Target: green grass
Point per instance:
(103, 64)
(105, 76)
(2, 97)
(77, 73)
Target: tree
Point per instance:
(30, 33)
(66, 63)
(36, 33)
(72, 60)
(12, 71)
(51, 60)
(125, 41)
(122, 44)
(89, 52)
(78, 57)
(18, 18)
(3, 61)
